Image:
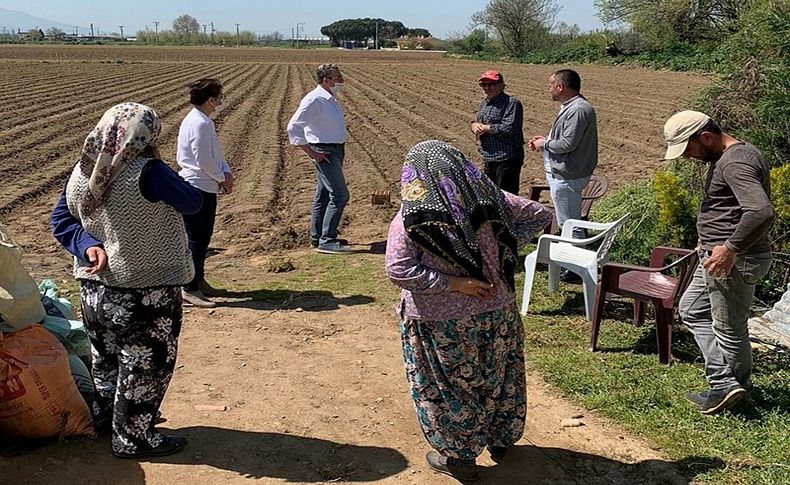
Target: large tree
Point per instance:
(667, 20)
(520, 25)
(360, 30)
(185, 25)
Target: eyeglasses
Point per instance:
(488, 85)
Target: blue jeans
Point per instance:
(716, 310)
(566, 195)
(331, 194)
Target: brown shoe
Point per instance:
(461, 470)
(196, 298)
(209, 290)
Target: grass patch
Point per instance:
(358, 278)
(625, 382)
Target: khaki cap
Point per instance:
(679, 128)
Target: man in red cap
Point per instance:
(499, 132)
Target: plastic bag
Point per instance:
(20, 302)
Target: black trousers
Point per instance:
(506, 174)
(200, 227)
(134, 333)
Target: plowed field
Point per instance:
(53, 96)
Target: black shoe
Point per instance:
(718, 400)
(170, 445)
(462, 470)
(570, 277)
(343, 242)
(497, 452)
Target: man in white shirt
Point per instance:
(318, 127)
(202, 165)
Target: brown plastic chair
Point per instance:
(594, 190)
(659, 284)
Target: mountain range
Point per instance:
(11, 20)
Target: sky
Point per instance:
(442, 19)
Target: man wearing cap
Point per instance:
(499, 131)
(733, 223)
(570, 151)
(318, 127)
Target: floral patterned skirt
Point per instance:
(467, 380)
(134, 333)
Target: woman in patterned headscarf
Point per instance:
(452, 249)
(120, 216)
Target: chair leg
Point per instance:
(529, 276)
(600, 296)
(663, 333)
(639, 313)
(554, 277)
(589, 281)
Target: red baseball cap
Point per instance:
(492, 76)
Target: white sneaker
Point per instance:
(196, 298)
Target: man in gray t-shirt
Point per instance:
(733, 223)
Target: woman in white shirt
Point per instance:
(202, 165)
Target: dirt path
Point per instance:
(316, 393)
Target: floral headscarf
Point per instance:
(122, 136)
(445, 200)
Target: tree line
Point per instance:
(362, 31)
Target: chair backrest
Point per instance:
(686, 265)
(608, 238)
(595, 189)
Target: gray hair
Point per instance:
(324, 71)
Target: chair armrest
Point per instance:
(660, 253)
(551, 238)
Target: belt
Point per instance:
(330, 144)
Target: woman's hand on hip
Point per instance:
(97, 257)
(472, 287)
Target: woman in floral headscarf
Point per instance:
(120, 216)
(452, 249)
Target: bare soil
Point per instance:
(315, 390)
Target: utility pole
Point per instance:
(212, 31)
(298, 26)
(76, 31)
(91, 31)
(204, 32)
(121, 27)
(292, 37)
(156, 27)
(238, 38)
(376, 43)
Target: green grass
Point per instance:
(625, 382)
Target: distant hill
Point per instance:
(13, 20)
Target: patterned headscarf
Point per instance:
(445, 200)
(122, 136)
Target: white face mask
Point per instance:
(337, 88)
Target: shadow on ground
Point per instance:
(308, 300)
(250, 454)
(533, 464)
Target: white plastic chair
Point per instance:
(566, 252)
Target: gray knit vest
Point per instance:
(145, 242)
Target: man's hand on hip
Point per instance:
(720, 262)
(314, 155)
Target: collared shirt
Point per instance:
(199, 153)
(570, 151)
(319, 119)
(505, 115)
